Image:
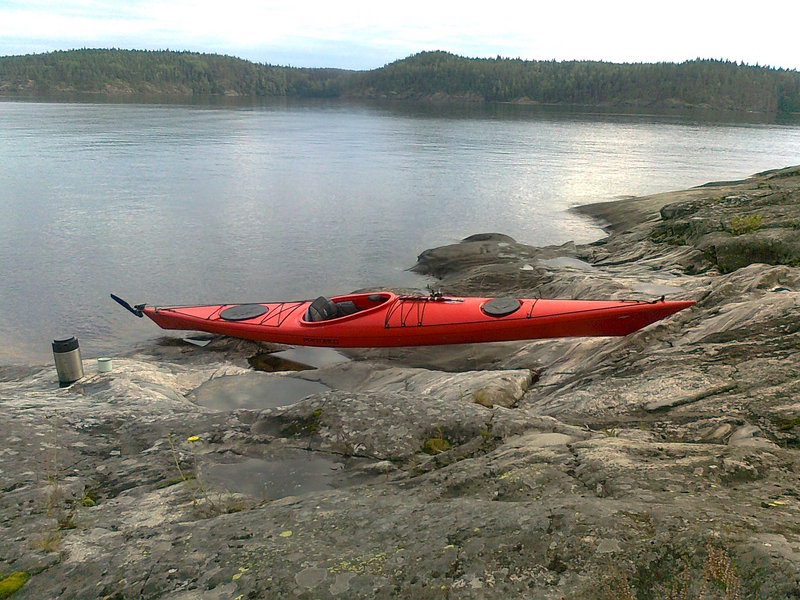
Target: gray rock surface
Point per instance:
(660, 465)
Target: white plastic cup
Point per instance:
(104, 365)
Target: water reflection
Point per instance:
(256, 391)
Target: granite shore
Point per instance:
(663, 464)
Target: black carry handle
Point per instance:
(137, 310)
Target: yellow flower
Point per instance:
(192, 438)
(287, 533)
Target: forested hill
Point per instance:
(705, 83)
(116, 72)
(428, 75)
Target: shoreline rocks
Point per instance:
(663, 463)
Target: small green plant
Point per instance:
(436, 444)
(195, 485)
(720, 571)
(54, 500)
(47, 542)
(9, 585)
(204, 504)
(741, 224)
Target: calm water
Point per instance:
(188, 204)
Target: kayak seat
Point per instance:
(323, 309)
(348, 307)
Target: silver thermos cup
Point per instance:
(67, 355)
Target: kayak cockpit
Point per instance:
(326, 309)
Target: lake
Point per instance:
(248, 201)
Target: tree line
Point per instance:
(159, 72)
(702, 83)
(713, 84)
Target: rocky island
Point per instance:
(660, 465)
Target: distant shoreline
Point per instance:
(428, 77)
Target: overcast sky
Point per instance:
(357, 34)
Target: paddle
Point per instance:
(137, 310)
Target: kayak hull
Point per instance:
(387, 320)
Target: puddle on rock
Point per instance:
(289, 472)
(561, 262)
(296, 359)
(254, 390)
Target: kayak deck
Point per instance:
(384, 319)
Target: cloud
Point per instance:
(325, 33)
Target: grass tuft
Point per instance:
(436, 445)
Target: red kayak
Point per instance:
(385, 319)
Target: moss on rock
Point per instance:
(436, 445)
(11, 584)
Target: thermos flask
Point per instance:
(67, 355)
